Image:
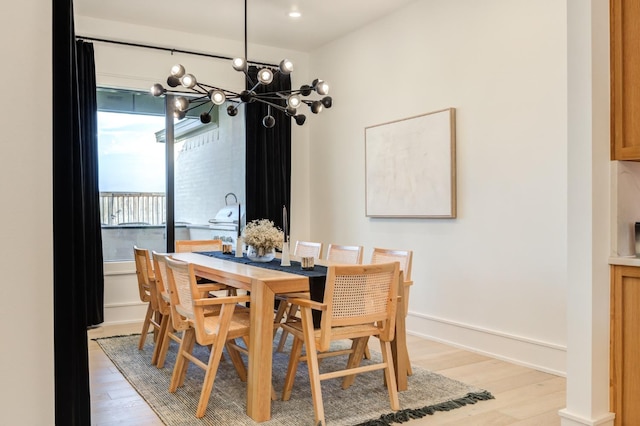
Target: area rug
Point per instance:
(366, 402)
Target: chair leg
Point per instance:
(209, 378)
(145, 326)
(182, 363)
(389, 375)
(294, 359)
(313, 366)
(291, 312)
(355, 358)
(169, 334)
(160, 341)
(367, 354)
(237, 361)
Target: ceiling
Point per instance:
(268, 22)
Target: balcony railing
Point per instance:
(132, 208)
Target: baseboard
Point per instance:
(124, 313)
(542, 356)
(570, 419)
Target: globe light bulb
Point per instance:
(217, 97)
(188, 81)
(322, 87)
(294, 101)
(316, 107)
(205, 118)
(286, 66)
(265, 76)
(268, 121)
(177, 70)
(239, 64)
(157, 89)
(181, 103)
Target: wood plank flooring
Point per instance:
(524, 397)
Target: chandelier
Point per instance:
(286, 101)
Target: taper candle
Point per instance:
(284, 222)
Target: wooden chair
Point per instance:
(307, 249)
(190, 246)
(184, 246)
(350, 255)
(359, 301)
(216, 331)
(170, 328)
(147, 289)
(405, 258)
(286, 311)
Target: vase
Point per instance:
(260, 254)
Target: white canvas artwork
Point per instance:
(410, 167)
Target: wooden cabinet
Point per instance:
(625, 79)
(625, 345)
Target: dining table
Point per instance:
(263, 284)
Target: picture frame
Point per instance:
(410, 167)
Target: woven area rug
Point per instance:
(366, 402)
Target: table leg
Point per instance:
(260, 352)
(399, 344)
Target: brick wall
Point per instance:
(207, 167)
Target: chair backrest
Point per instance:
(345, 254)
(146, 277)
(308, 249)
(360, 295)
(382, 255)
(162, 280)
(183, 246)
(180, 288)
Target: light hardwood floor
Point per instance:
(523, 396)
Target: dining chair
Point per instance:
(190, 246)
(351, 255)
(405, 258)
(147, 289)
(285, 310)
(359, 301)
(170, 328)
(184, 246)
(307, 249)
(216, 331)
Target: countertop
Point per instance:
(624, 260)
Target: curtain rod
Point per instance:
(168, 49)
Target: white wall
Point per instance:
(494, 278)
(26, 255)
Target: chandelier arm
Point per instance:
(226, 91)
(204, 91)
(271, 104)
(193, 107)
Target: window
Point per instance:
(208, 164)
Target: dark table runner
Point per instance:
(317, 276)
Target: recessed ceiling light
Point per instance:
(295, 14)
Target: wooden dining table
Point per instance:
(263, 284)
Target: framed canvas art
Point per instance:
(410, 168)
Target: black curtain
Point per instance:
(77, 247)
(87, 145)
(268, 156)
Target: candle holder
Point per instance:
(285, 260)
(239, 244)
(307, 263)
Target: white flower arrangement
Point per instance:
(263, 234)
